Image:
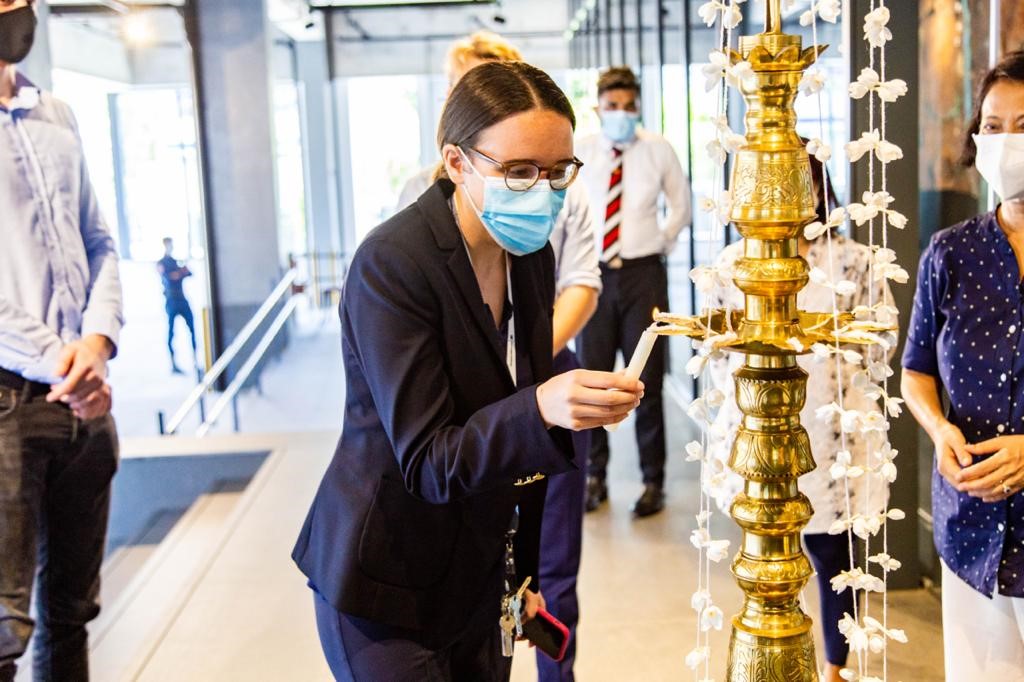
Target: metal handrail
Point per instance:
(242, 338)
(250, 364)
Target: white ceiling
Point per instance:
(522, 17)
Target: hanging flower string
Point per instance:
(878, 34)
(870, 374)
(720, 73)
(865, 634)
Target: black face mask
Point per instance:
(17, 32)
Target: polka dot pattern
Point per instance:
(967, 329)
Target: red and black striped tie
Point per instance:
(613, 210)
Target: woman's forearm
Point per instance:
(921, 392)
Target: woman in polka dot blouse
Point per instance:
(966, 338)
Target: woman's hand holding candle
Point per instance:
(639, 360)
(582, 399)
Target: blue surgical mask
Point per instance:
(520, 222)
(619, 126)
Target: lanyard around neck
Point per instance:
(510, 341)
(510, 345)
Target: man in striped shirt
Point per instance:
(628, 174)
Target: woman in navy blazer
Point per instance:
(405, 543)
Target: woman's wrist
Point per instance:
(540, 405)
(938, 426)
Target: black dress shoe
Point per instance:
(651, 501)
(597, 492)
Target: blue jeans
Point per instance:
(179, 307)
(830, 554)
(55, 473)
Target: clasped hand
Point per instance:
(83, 365)
(992, 479)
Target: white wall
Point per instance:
(76, 47)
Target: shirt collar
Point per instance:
(608, 145)
(992, 229)
(26, 95)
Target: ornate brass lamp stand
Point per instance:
(772, 201)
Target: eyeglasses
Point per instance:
(522, 175)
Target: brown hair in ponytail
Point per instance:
(493, 92)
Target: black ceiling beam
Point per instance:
(402, 5)
(447, 36)
(356, 26)
(111, 8)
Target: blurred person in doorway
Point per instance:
(628, 172)
(173, 275)
(577, 287)
(463, 55)
(60, 318)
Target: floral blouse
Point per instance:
(827, 496)
(966, 330)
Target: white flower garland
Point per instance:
(721, 74)
(865, 635)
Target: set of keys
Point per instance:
(511, 621)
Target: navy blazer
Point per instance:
(408, 525)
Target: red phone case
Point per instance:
(551, 622)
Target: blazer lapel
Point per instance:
(465, 279)
(434, 205)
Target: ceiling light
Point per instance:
(137, 30)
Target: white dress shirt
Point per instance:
(59, 279)
(415, 186)
(576, 257)
(650, 170)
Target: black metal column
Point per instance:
(909, 540)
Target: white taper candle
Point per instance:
(637, 363)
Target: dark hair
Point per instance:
(617, 78)
(1011, 68)
(826, 199)
(494, 91)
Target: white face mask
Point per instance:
(1001, 162)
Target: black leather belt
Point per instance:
(620, 263)
(17, 382)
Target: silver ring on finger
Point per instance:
(1007, 489)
